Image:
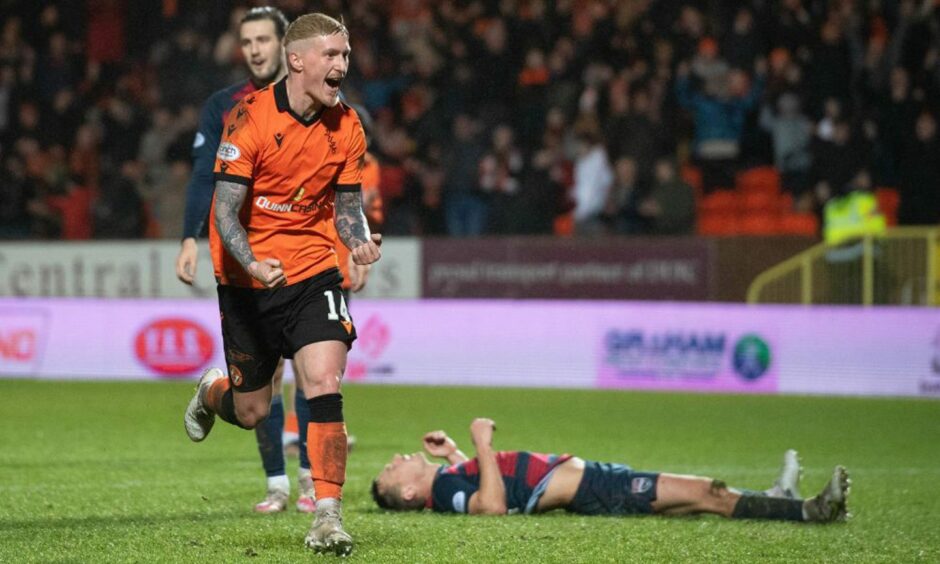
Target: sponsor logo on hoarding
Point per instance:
(936, 354)
(687, 354)
(18, 345)
(373, 338)
(173, 346)
(22, 334)
(751, 357)
(931, 386)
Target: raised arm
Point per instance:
(229, 197)
(438, 444)
(490, 499)
(353, 229)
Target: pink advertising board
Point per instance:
(576, 344)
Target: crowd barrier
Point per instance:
(883, 351)
(673, 268)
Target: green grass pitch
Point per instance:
(103, 472)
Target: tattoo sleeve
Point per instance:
(229, 197)
(349, 220)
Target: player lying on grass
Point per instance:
(526, 482)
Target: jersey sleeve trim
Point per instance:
(348, 187)
(222, 177)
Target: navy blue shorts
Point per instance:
(614, 489)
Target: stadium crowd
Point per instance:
(490, 117)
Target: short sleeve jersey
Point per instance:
(292, 167)
(522, 473)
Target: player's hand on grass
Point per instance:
(481, 431)
(368, 252)
(437, 443)
(186, 261)
(269, 272)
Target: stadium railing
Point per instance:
(896, 268)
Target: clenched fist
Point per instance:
(368, 252)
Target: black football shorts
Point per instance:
(261, 326)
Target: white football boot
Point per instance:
(830, 505)
(327, 534)
(787, 483)
(198, 418)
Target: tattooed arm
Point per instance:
(229, 197)
(353, 229)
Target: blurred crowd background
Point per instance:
(584, 117)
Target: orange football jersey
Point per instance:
(292, 168)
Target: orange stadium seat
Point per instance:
(760, 202)
(760, 223)
(152, 226)
(764, 179)
(720, 201)
(564, 225)
(799, 224)
(693, 177)
(718, 223)
(888, 201)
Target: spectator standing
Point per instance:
(920, 175)
(719, 113)
(670, 206)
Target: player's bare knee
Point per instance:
(322, 383)
(250, 416)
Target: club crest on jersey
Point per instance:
(228, 152)
(278, 138)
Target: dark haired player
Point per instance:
(526, 482)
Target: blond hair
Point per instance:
(314, 25)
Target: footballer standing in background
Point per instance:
(290, 166)
(261, 35)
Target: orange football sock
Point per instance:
(215, 393)
(326, 448)
(290, 423)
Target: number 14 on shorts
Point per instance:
(343, 311)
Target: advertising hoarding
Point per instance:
(573, 344)
(147, 269)
(580, 269)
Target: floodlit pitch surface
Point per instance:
(103, 472)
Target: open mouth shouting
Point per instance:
(332, 85)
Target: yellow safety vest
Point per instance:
(852, 216)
